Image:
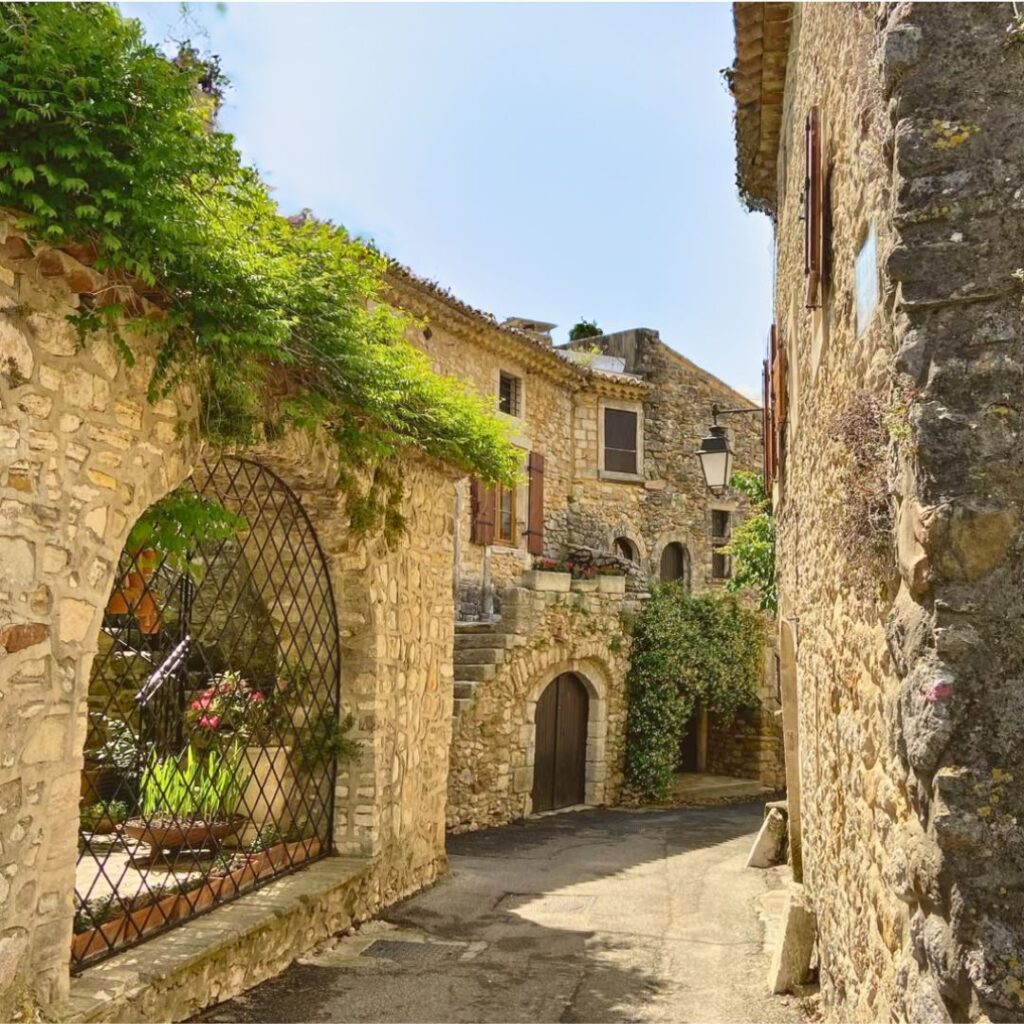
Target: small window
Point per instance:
(506, 514)
(625, 548)
(510, 394)
(620, 441)
(719, 524)
(721, 566)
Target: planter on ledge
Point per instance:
(612, 584)
(540, 579)
(584, 586)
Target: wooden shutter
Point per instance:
(767, 425)
(813, 208)
(535, 512)
(779, 401)
(482, 502)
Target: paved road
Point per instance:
(587, 916)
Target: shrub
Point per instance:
(684, 647)
(752, 545)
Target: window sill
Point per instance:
(622, 478)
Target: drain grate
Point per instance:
(415, 952)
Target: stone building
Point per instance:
(608, 434)
(885, 142)
(82, 455)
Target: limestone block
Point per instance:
(769, 846)
(791, 959)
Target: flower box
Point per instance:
(540, 579)
(584, 586)
(609, 584)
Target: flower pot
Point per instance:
(268, 793)
(612, 584)
(118, 603)
(584, 586)
(553, 582)
(170, 835)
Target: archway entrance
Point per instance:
(213, 710)
(560, 754)
(675, 564)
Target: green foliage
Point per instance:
(206, 787)
(684, 647)
(105, 813)
(584, 329)
(175, 525)
(277, 321)
(752, 545)
(325, 739)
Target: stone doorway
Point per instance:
(560, 754)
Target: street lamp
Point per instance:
(715, 453)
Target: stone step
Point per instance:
(464, 641)
(461, 704)
(476, 627)
(476, 673)
(464, 689)
(479, 655)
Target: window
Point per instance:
(721, 563)
(675, 564)
(506, 515)
(623, 547)
(719, 525)
(510, 394)
(620, 441)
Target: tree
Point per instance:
(752, 545)
(585, 329)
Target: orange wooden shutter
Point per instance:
(779, 399)
(813, 219)
(482, 500)
(535, 516)
(767, 425)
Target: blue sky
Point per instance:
(555, 161)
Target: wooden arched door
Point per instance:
(560, 755)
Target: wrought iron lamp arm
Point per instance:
(717, 411)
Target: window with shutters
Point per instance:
(482, 508)
(510, 394)
(621, 441)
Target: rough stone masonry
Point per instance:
(899, 488)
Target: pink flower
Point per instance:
(257, 696)
(210, 721)
(938, 692)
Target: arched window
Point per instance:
(625, 548)
(675, 564)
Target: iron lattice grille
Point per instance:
(213, 717)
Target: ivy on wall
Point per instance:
(106, 144)
(752, 545)
(684, 648)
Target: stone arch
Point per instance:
(627, 532)
(596, 678)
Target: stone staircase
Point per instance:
(480, 647)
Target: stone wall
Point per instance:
(494, 737)
(82, 454)
(900, 565)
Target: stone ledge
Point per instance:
(227, 951)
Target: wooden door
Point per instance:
(560, 755)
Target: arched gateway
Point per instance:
(213, 709)
(560, 754)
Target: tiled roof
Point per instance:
(757, 81)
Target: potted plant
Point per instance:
(191, 803)
(584, 577)
(548, 574)
(104, 817)
(112, 760)
(230, 707)
(611, 579)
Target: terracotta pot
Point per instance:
(98, 940)
(269, 791)
(118, 603)
(174, 836)
(147, 615)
